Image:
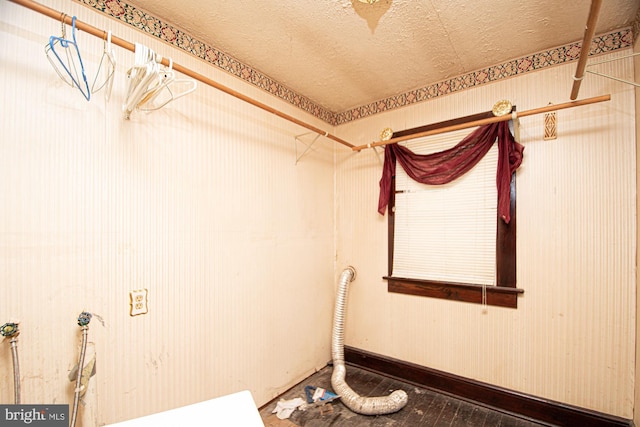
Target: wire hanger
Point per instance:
(104, 76)
(70, 68)
(52, 59)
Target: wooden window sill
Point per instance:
(500, 296)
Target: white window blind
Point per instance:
(447, 232)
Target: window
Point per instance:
(447, 241)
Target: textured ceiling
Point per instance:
(343, 53)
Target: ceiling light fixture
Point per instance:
(368, 1)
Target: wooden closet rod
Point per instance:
(60, 16)
(486, 121)
(586, 47)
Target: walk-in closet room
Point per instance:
(314, 213)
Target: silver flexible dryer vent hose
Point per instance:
(359, 404)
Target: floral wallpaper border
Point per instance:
(155, 27)
(601, 44)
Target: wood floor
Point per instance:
(425, 407)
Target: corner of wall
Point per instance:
(636, 65)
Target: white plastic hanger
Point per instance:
(141, 76)
(169, 89)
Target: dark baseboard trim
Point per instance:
(528, 406)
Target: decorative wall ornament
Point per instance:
(550, 125)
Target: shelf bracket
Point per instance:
(307, 145)
(613, 77)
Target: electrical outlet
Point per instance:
(138, 302)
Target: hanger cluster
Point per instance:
(151, 85)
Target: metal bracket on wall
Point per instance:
(307, 145)
(612, 77)
(378, 156)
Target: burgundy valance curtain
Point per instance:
(445, 166)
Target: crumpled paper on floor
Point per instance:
(285, 408)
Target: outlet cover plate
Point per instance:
(138, 302)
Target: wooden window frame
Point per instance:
(503, 294)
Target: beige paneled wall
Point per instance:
(201, 203)
(572, 337)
